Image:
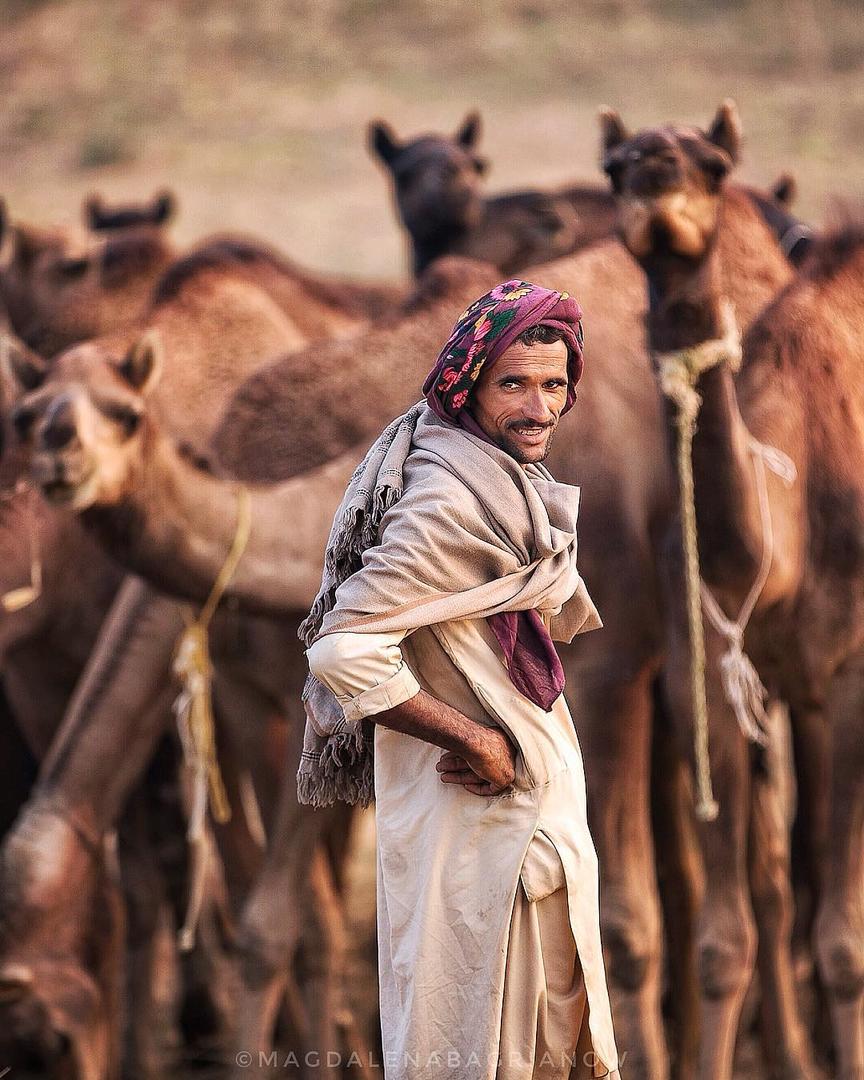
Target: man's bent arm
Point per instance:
(370, 680)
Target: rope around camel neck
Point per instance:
(679, 373)
(194, 711)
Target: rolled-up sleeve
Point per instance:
(366, 672)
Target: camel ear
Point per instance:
(383, 142)
(469, 133)
(785, 189)
(725, 130)
(93, 212)
(142, 365)
(164, 207)
(18, 363)
(612, 130)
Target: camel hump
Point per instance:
(453, 275)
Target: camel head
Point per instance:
(58, 291)
(669, 183)
(60, 948)
(50, 1022)
(84, 426)
(437, 179)
(102, 217)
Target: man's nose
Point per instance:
(537, 408)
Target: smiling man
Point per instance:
(450, 568)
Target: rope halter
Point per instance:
(679, 372)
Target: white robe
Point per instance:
(451, 864)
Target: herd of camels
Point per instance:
(143, 388)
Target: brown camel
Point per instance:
(439, 195)
(57, 291)
(627, 514)
(795, 392)
(268, 934)
(69, 611)
(438, 190)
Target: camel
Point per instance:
(265, 928)
(612, 680)
(438, 190)
(793, 392)
(46, 644)
(100, 217)
(57, 292)
(321, 306)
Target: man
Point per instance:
(450, 567)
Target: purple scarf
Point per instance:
(483, 332)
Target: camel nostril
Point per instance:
(59, 429)
(58, 434)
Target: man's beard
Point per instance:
(518, 453)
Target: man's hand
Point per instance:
(481, 758)
(487, 768)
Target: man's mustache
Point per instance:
(521, 425)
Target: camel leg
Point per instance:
(271, 923)
(94, 762)
(726, 933)
(811, 737)
(613, 721)
(681, 886)
(17, 767)
(840, 918)
(145, 899)
(785, 1044)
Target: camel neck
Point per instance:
(175, 524)
(686, 310)
(684, 301)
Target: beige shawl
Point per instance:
(435, 525)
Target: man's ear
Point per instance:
(383, 142)
(142, 364)
(469, 133)
(725, 130)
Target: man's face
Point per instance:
(518, 400)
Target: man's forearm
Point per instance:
(433, 721)
(480, 758)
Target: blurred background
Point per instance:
(254, 111)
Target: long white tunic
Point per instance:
(450, 863)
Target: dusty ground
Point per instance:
(255, 114)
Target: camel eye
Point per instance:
(72, 269)
(22, 420)
(127, 417)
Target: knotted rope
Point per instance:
(680, 371)
(194, 711)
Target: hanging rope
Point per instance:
(680, 371)
(194, 711)
(742, 686)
